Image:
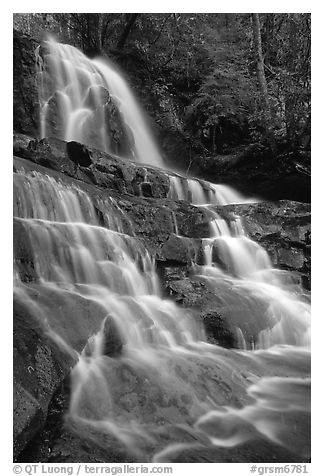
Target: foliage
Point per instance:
(196, 73)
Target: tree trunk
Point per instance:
(262, 81)
(123, 37)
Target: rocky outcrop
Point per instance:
(101, 169)
(25, 85)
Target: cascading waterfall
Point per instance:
(82, 94)
(164, 352)
(161, 389)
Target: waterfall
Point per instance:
(148, 339)
(86, 96)
(246, 269)
(201, 192)
(148, 379)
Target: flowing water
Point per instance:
(81, 95)
(158, 387)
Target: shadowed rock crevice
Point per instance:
(78, 153)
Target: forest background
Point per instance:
(216, 85)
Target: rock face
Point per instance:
(40, 366)
(25, 85)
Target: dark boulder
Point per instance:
(78, 153)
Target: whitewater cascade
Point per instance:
(161, 388)
(81, 95)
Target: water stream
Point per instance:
(160, 389)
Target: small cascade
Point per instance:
(201, 192)
(99, 263)
(196, 193)
(177, 190)
(224, 195)
(247, 267)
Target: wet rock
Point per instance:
(180, 250)
(45, 345)
(292, 258)
(50, 153)
(53, 305)
(164, 409)
(112, 340)
(20, 145)
(146, 188)
(23, 258)
(39, 367)
(58, 443)
(78, 153)
(97, 167)
(255, 451)
(25, 85)
(220, 310)
(218, 330)
(28, 417)
(54, 126)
